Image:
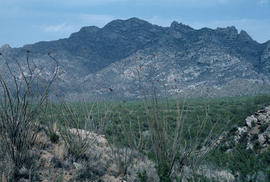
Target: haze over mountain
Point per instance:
(127, 54)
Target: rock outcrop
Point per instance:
(256, 132)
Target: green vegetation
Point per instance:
(219, 110)
(20, 107)
(243, 163)
(126, 124)
(172, 133)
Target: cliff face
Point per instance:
(94, 59)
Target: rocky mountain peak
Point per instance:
(85, 31)
(135, 20)
(229, 29)
(123, 25)
(244, 36)
(198, 58)
(230, 32)
(180, 27)
(89, 29)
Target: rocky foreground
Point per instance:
(103, 162)
(100, 162)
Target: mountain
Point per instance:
(200, 62)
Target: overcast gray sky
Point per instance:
(29, 21)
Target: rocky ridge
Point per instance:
(95, 59)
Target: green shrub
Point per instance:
(142, 176)
(54, 137)
(264, 127)
(21, 103)
(254, 137)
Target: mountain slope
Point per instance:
(184, 59)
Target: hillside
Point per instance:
(202, 62)
(103, 149)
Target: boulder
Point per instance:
(251, 119)
(257, 130)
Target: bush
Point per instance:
(21, 103)
(76, 141)
(143, 176)
(175, 141)
(264, 127)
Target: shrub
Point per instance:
(51, 122)
(76, 140)
(264, 127)
(174, 141)
(21, 103)
(143, 176)
(254, 137)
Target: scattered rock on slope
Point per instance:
(99, 163)
(256, 130)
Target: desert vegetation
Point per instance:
(149, 139)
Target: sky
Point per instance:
(29, 21)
